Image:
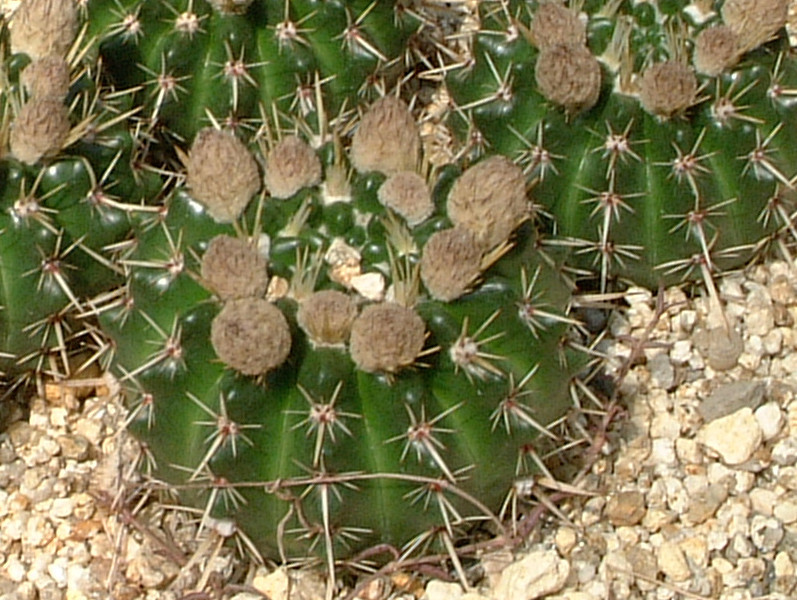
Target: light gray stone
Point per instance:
(734, 437)
(537, 574)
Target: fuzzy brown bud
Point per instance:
(251, 336)
(386, 337)
(755, 22)
(387, 139)
(290, 166)
(451, 263)
(716, 49)
(569, 76)
(407, 194)
(555, 24)
(327, 316)
(41, 129)
(221, 174)
(233, 268)
(47, 77)
(667, 88)
(44, 27)
(489, 199)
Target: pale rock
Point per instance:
(763, 501)
(579, 595)
(705, 502)
(657, 518)
(695, 548)
(538, 573)
(665, 425)
(681, 352)
(643, 562)
(662, 453)
(593, 511)
(58, 571)
(734, 437)
(785, 580)
(688, 451)
(442, 590)
(760, 319)
(770, 420)
(687, 320)
(773, 342)
(741, 546)
(275, 585)
(786, 512)
(14, 569)
(565, 539)
(677, 496)
(61, 507)
(672, 562)
(765, 532)
(625, 508)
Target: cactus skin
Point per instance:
(639, 197)
(196, 62)
(58, 214)
(317, 485)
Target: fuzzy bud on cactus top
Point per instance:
(386, 139)
(44, 27)
(40, 129)
(221, 174)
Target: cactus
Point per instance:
(66, 157)
(198, 61)
(657, 133)
(330, 373)
(324, 338)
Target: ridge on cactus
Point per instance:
(657, 134)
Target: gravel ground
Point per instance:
(693, 494)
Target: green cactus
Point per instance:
(658, 134)
(66, 157)
(198, 61)
(318, 416)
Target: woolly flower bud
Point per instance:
(327, 316)
(290, 166)
(233, 268)
(407, 194)
(47, 77)
(489, 199)
(43, 27)
(716, 49)
(569, 75)
(221, 174)
(386, 337)
(251, 336)
(450, 264)
(40, 130)
(755, 21)
(667, 88)
(555, 24)
(387, 139)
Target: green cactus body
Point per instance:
(318, 455)
(648, 195)
(197, 63)
(60, 206)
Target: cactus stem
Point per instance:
(174, 261)
(354, 40)
(187, 22)
(51, 325)
(289, 31)
(235, 71)
(323, 419)
(512, 411)
(726, 106)
(466, 353)
(170, 349)
(758, 158)
(225, 432)
(128, 25)
(503, 91)
(421, 437)
(532, 311)
(689, 165)
(52, 269)
(166, 87)
(536, 159)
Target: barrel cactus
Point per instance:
(658, 134)
(357, 354)
(324, 338)
(66, 159)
